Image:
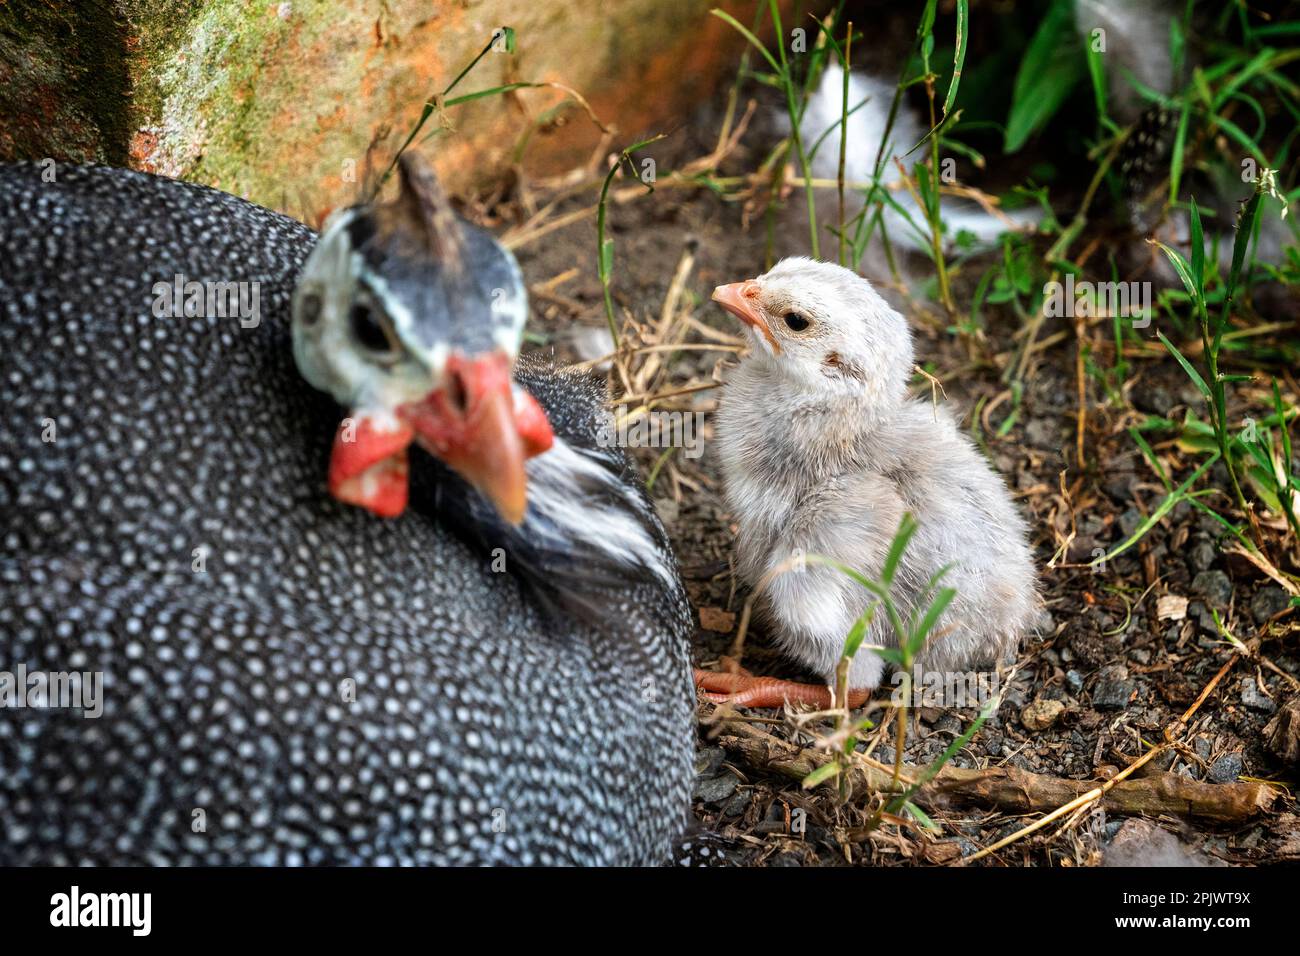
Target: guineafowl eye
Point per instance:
(795, 322)
(367, 330)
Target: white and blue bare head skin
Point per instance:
(412, 319)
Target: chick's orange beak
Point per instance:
(476, 422)
(741, 300)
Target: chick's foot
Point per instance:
(743, 689)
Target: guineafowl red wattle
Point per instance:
(286, 678)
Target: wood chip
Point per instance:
(1283, 732)
(1171, 607)
(716, 619)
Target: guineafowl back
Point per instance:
(283, 679)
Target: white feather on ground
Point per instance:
(866, 129)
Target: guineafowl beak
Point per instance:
(477, 423)
(484, 428)
(741, 300)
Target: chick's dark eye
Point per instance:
(795, 322)
(366, 328)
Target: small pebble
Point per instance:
(949, 723)
(1214, 586)
(1253, 698)
(709, 759)
(1113, 694)
(1041, 714)
(1202, 555)
(1268, 600)
(1199, 613)
(715, 789)
(1226, 769)
(736, 805)
(1042, 433)
(1151, 398)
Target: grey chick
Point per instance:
(823, 452)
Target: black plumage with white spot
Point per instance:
(286, 679)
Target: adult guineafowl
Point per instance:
(208, 653)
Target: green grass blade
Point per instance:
(959, 56)
(745, 32)
(1198, 252)
(941, 602)
(1162, 509)
(906, 528)
(1194, 375)
(1048, 73)
(1245, 229)
(990, 707)
(1097, 74)
(1176, 157)
(1183, 268)
(827, 771)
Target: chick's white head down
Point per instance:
(824, 329)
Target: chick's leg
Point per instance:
(743, 689)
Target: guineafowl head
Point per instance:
(824, 329)
(412, 319)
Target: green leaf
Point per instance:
(990, 707)
(920, 816)
(1264, 482)
(1245, 229)
(480, 94)
(923, 629)
(1258, 63)
(859, 631)
(959, 57)
(1198, 251)
(1282, 423)
(1177, 45)
(925, 27)
(827, 771)
(1176, 157)
(1097, 73)
(1240, 135)
(754, 41)
(891, 654)
(1047, 75)
(1162, 509)
(1183, 268)
(1150, 457)
(906, 528)
(1194, 375)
